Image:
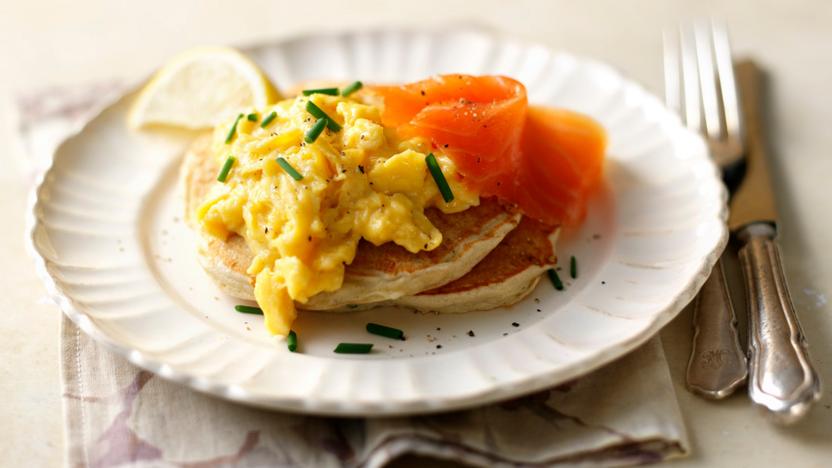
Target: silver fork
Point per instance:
(700, 86)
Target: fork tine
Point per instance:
(690, 80)
(707, 80)
(672, 91)
(727, 85)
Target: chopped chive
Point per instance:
(292, 341)
(226, 168)
(388, 332)
(573, 267)
(439, 178)
(353, 348)
(315, 130)
(555, 279)
(329, 91)
(355, 86)
(319, 113)
(248, 309)
(233, 130)
(252, 117)
(289, 169)
(268, 119)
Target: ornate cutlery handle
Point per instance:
(717, 364)
(781, 377)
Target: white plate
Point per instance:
(114, 254)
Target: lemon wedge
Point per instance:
(199, 88)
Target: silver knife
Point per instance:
(781, 377)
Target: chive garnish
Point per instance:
(439, 178)
(288, 168)
(319, 113)
(355, 86)
(226, 168)
(233, 130)
(248, 309)
(353, 348)
(252, 117)
(329, 91)
(315, 131)
(268, 119)
(555, 279)
(573, 267)
(388, 332)
(292, 341)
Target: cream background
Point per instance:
(63, 42)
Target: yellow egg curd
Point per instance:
(361, 181)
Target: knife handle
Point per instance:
(717, 364)
(781, 376)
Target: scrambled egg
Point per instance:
(359, 182)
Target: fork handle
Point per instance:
(717, 364)
(781, 376)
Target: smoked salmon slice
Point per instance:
(546, 161)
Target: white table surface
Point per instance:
(44, 43)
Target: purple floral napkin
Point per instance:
(116, 414)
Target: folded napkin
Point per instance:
(116, 414)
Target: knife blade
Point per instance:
(753, 201)
(781, 376)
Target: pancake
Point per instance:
(378, 273)
(504, 277)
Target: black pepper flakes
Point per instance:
(360, 168)
(439, 346)
(309, 238)
(515, 324)
(422, 92)
(471, 333)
